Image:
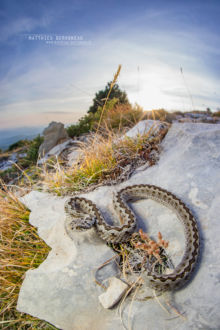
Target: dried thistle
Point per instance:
(149, 246)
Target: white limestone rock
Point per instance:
(62, 290)
(73, 156)
(151, 127)
(55, 151)
(8, 161)
(114, 293)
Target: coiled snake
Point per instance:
(82, 214)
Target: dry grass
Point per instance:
(142, 253)
(137, 256)
(20, 249)
(96, 158)
(106, 100)
(103, 160)
(121, 116)
(160, 114)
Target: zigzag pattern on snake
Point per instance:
(82, 214)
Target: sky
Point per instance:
(169, 52)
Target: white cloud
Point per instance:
(21, 25)
(65, 80)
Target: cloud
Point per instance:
(56, 112)
(183, 93)
(20, 26)
(62, 81)
(36, 119)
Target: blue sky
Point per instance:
(41, 82)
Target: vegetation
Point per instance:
(32, 154)
(107, 157)
(116, 116)
(21, 249)
(161, 114)
(216, 114)
(102, 95)
(103, 159)
(140, 252)
(109, 98)
(83, 126)
(19, 144)
(27, 162)
(9, 174)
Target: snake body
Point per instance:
(82, 214)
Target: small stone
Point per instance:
(114, 293)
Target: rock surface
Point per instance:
(7, 162)
(63, 291)
(151, 127)
(113, 294)
(61, 148)
(53, 135)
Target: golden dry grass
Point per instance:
(96, 158)
(106, 100)
(102, 159)
(121, 116)
(20, 249)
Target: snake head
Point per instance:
(72, 207)
(82, 224)
(80, 220)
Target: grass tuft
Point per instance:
(20, 249)
(104, 159)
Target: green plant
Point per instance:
(108, 99)
(9, 174)
(101, 96)
(90, 121)
(115, 116)
(18, 144)
(122, 115)
(32, 154)
(102, 159)
(83, 126)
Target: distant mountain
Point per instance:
(10, 136)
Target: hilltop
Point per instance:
(113, 145)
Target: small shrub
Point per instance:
(32, 154)
(18, 144)
(216, 114)
(103, 100)
(83, 126)
(100, 97)
(115, 116)
(10, 174)
(122, 115)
